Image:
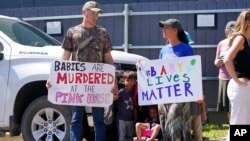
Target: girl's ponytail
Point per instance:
(182, 36)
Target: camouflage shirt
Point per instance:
(87, 44)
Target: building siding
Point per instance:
(53, 3)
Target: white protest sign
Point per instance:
(81, 83)
(172, 80)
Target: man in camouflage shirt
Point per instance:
(88, 42)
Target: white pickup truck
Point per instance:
(25, 57)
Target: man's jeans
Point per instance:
(76, 126)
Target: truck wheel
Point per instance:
(45, 121)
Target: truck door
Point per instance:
(5, 51)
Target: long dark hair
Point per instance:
(182, 36)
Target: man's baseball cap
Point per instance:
(230, 25)
(174, 23)
(92, 5)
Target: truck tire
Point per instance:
(45, 121)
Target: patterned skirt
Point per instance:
(175, 121)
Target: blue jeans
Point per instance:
(99, 125)
(76, 125)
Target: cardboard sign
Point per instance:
(172, 80)
(81, 83)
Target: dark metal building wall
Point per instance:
(48, 3)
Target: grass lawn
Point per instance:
(215, 132)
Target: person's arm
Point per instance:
(202, 103)
(109, 60)
(238, 45)
(218, 61)
(107, 57)
(115, 97)
(66, 46)
(118, 95)
(203, 111)
(65, 55)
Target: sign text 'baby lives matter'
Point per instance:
(172, 80)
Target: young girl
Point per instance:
(150, 126)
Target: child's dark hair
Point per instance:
(129, 75)
(182, 36)
(155, 107)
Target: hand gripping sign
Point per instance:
(172, 80)
(81, 83)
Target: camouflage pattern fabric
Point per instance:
(174, 120)
(87, 44)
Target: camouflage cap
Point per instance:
(91, 5)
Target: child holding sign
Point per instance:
(125, 109)
(175, 113)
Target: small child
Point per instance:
(151, 127)
(125, 111)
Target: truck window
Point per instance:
(26, 34)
